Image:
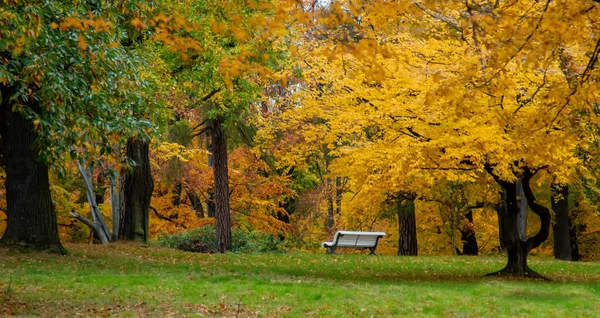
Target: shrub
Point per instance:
(203, 240)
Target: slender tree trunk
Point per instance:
(562, 231)
(177, 194)
(195, 203)
(210, 203)
(31, 219)
(407, 227)
(136, 192)
(339, 191)
(468, 237)
(221, 186)
(517, 249)
(330, 216)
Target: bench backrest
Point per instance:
(358, 239)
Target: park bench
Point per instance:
(352, 239)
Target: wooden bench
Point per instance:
(352, 239)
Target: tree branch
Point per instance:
(162, 217)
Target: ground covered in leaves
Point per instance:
(134, 280)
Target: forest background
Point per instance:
(439, 124)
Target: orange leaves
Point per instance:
(82, 24)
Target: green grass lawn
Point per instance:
(134, 280)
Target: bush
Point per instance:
(203, 240)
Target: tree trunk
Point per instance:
(574, 230)
(177, 194)
(329, 189)
(522, 218)
(517, 249)
(501, 212)
(210, 203)
(136, 192)
(407, 227)
(562, 231)
(221, 186)
(339, 191)
(195, 203)
(100, 228)
(467, 235)
(30, 215)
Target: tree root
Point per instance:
(514, 273)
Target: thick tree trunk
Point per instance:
(136, 192)
(468, 237)
(407, 227)
(31, 219)
(562, 231)
(517, 249)
(221, 186)
(501, 212)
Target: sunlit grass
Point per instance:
(132, 280)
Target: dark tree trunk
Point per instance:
(99, 189)
(562, 231)
(517, 249)
(467, 235)
(522, 218)
(339, 191)
(407, 227)
(221, 186)
(195, 203)
(501, 212)
(329, 189)
(31, 219)
(210, 203)
(574, 230)
(177, 194)
(136, 192)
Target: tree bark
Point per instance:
(210, 203)
(329, 189)
(339, 191)
(136, 192)
(517, 249)
(177, 194)
(501, 212)
(562, 231)
(221, 186)
(195, 203)
(100, 229)
(407, 227)
(30, 214)
(468, 237)
(522, 218)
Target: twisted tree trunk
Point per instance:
(516, 248)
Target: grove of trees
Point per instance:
(458, 127)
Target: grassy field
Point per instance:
(132, 280)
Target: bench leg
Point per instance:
(372, 249)
(330, 250)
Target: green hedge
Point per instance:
(203, 240)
